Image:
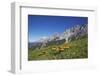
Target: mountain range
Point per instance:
(73, 33)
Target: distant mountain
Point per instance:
(34, 45)
(73, 33)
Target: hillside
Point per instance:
(72, 50)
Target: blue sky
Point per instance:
(44, 26)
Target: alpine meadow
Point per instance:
(57, 37)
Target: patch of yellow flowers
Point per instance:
(61, 48)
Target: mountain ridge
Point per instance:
(68, 35)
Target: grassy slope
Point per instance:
(78, 49)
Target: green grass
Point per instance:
(78, 49)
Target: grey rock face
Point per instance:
(74, 32)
